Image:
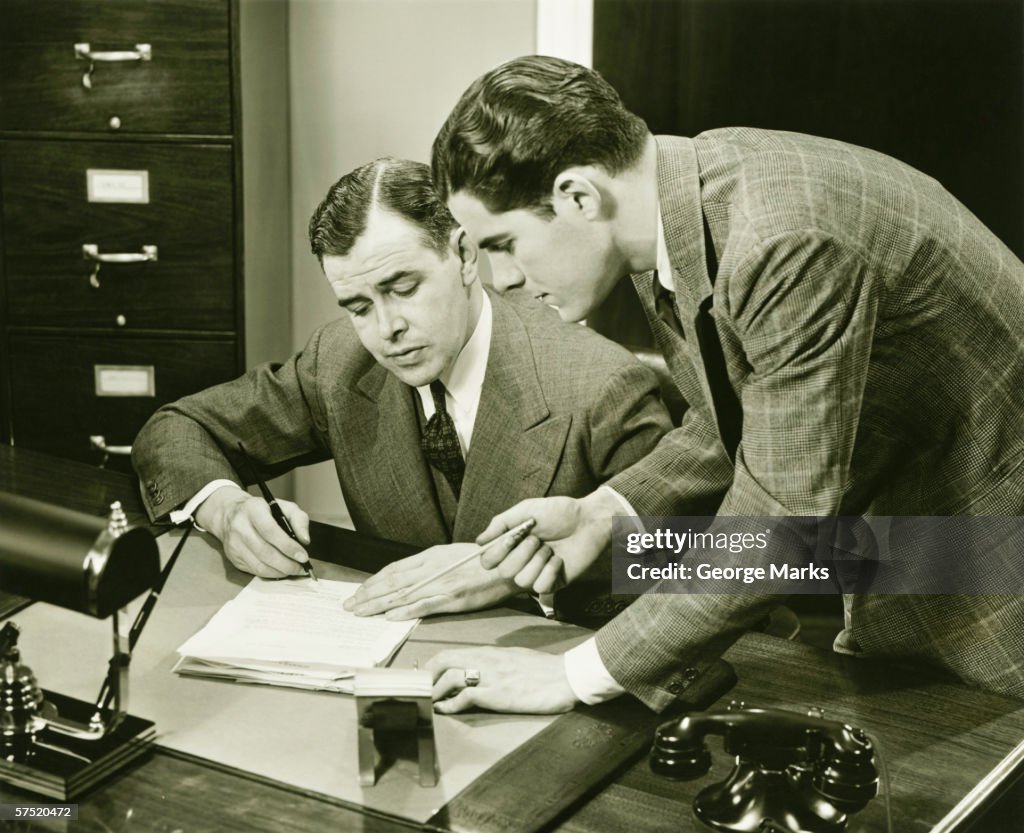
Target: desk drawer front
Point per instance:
(48, 219)
(54, 383)
(182, 86)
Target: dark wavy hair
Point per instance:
(519, 125)
(397, 185)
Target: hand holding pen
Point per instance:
(280, 519)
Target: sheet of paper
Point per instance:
(292, 632)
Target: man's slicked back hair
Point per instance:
(520, 125)
(397, 185)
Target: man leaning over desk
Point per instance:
(440, 404)
(848, 336)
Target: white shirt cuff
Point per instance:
(626, 508)
(179, 516)
(588, 678)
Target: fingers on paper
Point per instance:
(383, 583)
(386, 588)
(378, 604)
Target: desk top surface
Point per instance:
(938, 740)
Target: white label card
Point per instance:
(117, 186)
(124, 380)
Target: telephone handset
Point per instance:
(793, 773)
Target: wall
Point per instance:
(370, 78)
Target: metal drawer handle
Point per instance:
(142, 52)
(99, 442)
(90, 251)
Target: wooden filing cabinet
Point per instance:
(143, 210)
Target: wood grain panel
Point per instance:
(53, 396)
(185, 88)
(47, 219)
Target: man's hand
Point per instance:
(251, 538)
(511, 680)
(469, 587)
(576, 531)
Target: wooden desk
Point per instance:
(937, 738)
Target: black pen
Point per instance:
(275, 509)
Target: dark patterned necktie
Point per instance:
(665, 307)
(440, 443)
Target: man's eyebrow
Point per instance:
(492, 241)
(394, 277)
(384, 283)
(347, 302)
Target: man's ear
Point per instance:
(467, 253)
(575, 191)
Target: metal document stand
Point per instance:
(397, 701)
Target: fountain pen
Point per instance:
(275, 509)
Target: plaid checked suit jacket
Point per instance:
(873, 331)
(561, 410)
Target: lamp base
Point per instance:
(63, 767)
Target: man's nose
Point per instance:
(505, 274)
(390, 322)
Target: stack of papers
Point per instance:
(292, 633)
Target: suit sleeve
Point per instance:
(274, 409)
(804, 308)
(685, 474)
(627, 420)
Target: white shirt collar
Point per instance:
(664, 264)
(466, 378)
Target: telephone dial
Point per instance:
(793, 774)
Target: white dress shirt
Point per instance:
(463, 385)
(464, 382)
(587, 674)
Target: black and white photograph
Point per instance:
(512, 416)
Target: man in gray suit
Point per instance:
(439, 404)
(849, 338)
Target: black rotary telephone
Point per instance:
(793, 773)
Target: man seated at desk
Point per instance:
(440, 403)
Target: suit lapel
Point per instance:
(516, 443)
(387, 466)
(683, 223)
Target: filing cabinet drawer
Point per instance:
(183, 85)
(174, 198)
(55, 380)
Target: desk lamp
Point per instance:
(49, 743)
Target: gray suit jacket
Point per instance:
(872, 330)
(561, 410)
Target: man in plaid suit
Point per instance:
(849, 339)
